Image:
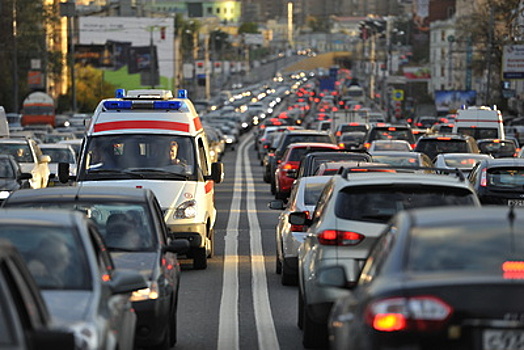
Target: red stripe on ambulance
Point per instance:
(141, 124)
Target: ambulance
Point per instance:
(129, 142)
(480, 122)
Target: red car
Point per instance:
(286, 170)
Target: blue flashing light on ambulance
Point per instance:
(150, 139)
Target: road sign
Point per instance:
(398, 95)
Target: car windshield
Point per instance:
(59, 155)
(380, 203)
(20, 151)
(6, 169)
(54, 254)
(461, 161)
(432, 147)
(476, 247)
(391, 133)
(148, 156)
(495, 147)
(506, 177)
(398, 160)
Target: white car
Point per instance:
(59, 153)
(31, 159)
(390, 145)
(463, 161)
(303, 197)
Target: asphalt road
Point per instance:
(238, 302)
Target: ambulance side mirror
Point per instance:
(217, 172)
(63, 172)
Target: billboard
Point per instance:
(451, 100)
(128, 46)
(513, 62)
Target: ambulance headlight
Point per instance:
(186, 210)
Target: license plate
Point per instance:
(516, 202)
(503, 339)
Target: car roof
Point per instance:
(395, 153)
(312, 144)
(491, 213)
(509, 161)
(55, 145)
(399, 177)
(41, 217)
(68, 193)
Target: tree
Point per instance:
(248, 27)
(492, 26)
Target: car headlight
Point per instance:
(186, 210)
(4, 194)
(86, 336)
(149, 293)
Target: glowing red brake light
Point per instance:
(513, 269)
(422, 313)
(339, 238)
(483, 178)
(444, 138)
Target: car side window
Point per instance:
(157, 211)
(377, 255)
(474, 173)
(322, 202)
(104, 261)
(203, 157)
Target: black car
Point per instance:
(26, 322)
(499, 181)
(439, 278)
(119, 213)
(310, 163)
(498, 148)
(435, 144)
(11, 176)
(385, 131)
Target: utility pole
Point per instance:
(15, 60)
(68, 9)
(490, 52)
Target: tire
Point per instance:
(278, 265)
(314, 334)
(300, 318)
(273, 188)
(199, 258)
(212, 243)
(288, 278)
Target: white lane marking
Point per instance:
(267, 335)
(228, 338)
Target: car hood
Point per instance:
(68, 306)
(143, 262)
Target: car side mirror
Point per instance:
(292, 173)
(44, 159)
(177, 246)
(63, 172)
(299, 218)
(126, 281)
(217, 172)
(276, 205)
(24, 176)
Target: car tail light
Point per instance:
(340, 238)
(513, 269)
(341, 145)
(421, 313)
(298, 228)
(412, 145)
(338, 133)
(483, 178)
(367, 145)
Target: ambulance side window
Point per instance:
(203, 157)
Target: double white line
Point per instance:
(228, 333)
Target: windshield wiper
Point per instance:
(115, 172)
(160, 172)
(117, 249)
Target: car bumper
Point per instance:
(195, 233)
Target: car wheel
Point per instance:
(199, 258)
(314, 334)
(289, 278)
(278, 265)
(273, 188)
(266, 177)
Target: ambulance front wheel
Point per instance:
(199, 258)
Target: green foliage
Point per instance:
(248, 27)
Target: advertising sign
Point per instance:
(451, 100)
(513, 62)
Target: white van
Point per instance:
(480, 122)
(148, 139)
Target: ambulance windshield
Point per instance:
(149, 156)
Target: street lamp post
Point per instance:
(68, 9)
(15, 60)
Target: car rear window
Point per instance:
(379, 203)
(348, 128)
(398, 160)
(481, 247)
(296, 154)
(432, 147)
(506, 177)
(391, 133)
(304, 138)
(493, 147)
